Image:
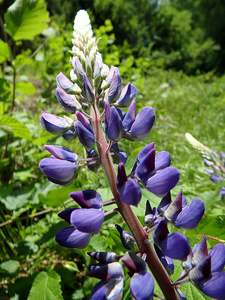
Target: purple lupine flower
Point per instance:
(165, 260)
(93, 154)
(127, 239)
(174, 245)
(119, 156)
(134, 127)
(78, 69)
(212, 284)
(70, 135)
(107, 272)
(104, 257)
(113, 123)
(130, 191)
(115, 88)
(128, 94)
(70, 237)
(155, 173)
(105, 290)
(64, 83)
(84, 131)
(150, 214)
(110, 74)
(66, 101)
(142, 282)
(54, 124)
(61, 167)
(87, 198)
(87, 219)
(222, 191)
(88, 91)
(185, 216)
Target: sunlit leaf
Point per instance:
(46, 286)
(4, 52)
(26, 18)
(10, 266)
(26, 88)
(12, 125)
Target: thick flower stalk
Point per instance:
(96, 101)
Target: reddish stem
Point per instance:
(128, 215)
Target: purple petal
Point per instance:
(142, 129)
(66, 101)
(216, 178)
(70, 135)
(87, 219)
(161, 232)
(107, 272)
(191, 215)
(121, 177)
(57, 169)
(88, 91)
(84, 121)
(86, 138)
(200, 252)
(201, 272)
(78, 68)
(130, 193)
(99, 291)
(54, 124)
(111, 290)
(165, 260)
(146, 166)
(133, 262)
(114, 126)
(217, 257)
(115, 88)
(119, 155)
(143, 152)
(163, 181)
(62, 153)
(65, 214)
(65, 83)
(142, 286)
(176, 246)
(222, 191)
(162, 160)
(130, 116)
(127, 239)
(215, 286)
(72, 238)
(128, 94)
(103, 257)
(174, 209)
(87, 198)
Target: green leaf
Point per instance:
(46, 286)
(10, 124)
(10, 266)
(4, 52)
(192, 293)
(55, 197)
(211, 226)
(26, 18)
(26, 88)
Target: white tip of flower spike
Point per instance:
(82, 25)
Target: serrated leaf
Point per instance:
(10, 124)
(4, 52)
(26, 18)
(46, 286)
(10, 266)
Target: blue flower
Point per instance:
(54, 124)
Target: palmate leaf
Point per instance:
(26, 18)
(46, 286)
(10, 124)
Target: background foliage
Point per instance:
(173, 51)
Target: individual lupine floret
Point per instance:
(70, 135)
(212, 284)
(128, 94)
(70, 237)
(174, 245)
(134, 127)
(111, 285)
(127, 239)
(88, 91)
(68, 102)
(93, 154)
(151, 215)
(84, 131)
(104, 257)
(54, 124)
(85, 221)
(61, 167)
(78, 69)
(155, 172)
(130, 191)
(115, 88)
(106, 83)
(184, 215)
(113, 123)
(118, 156)
(141, 283)
(67, 85)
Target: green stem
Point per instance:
(127, 213)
